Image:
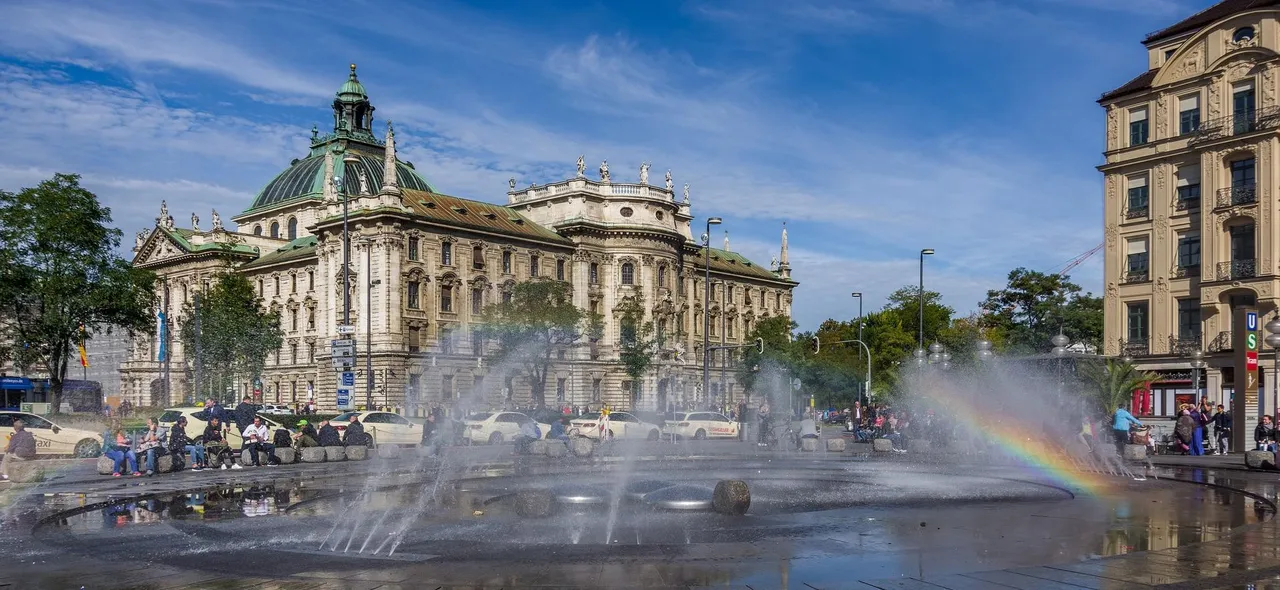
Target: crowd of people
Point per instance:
(1191, 430)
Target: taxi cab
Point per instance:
(195, 426)
(51, 439)
(702, 425)
(623, 425)
(386, 428)
(496, 428)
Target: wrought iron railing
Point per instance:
(1186, 204)
(1237, 124)
(1137, 212)
(1182, 272)
(1136, 276)
(1221, 343)
(1237, 269)
(1135, 348)
(1233, 196)
(1183, 346)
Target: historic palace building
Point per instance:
(1191, 198)
(424, 264)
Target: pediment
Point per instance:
(158, 247)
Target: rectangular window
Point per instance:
(277, 281)
(1189, 114)
(593, 276)
(293, 283)
(1138, 126)
(1243, 107)
(728, 328)
(595, 390)
(560, 389)
(1138, 202)
(533, 266)
(477, 257)
(446, 298)
(293, 354)
(311, 280)
(293, 320)
(446, 253)
(415, 339)
(446, 387)
(446, 340)
(1189, 319)
(1137, 315)
(311, 352)
(1244, 175)
(311, 318)
(1188, 187)
(506, 262)
(413, 296)
(477, 342)
(415, 381)
(1136, 262)
(477, 300)
(560, 264)
(1189, 250)
(1242, 243)
(413, 248)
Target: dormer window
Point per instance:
(1242, 34)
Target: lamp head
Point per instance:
(858, 295)
(927, 252)
(713, 221)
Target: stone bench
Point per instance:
(557, 449)
(836, 445)
(313, 455)
(808, 445)
(246, 459)
(1135, 452)
(287, 455)
(537, 447)
(106, 466)
(1260, 460)
(357, 453)
(582, 447)
(166, 464)
(882, 445)
(335, 453)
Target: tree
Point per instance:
(236, 334)
(539, 320)
(638, 343)
(1112, 382)
(59, 271)
(905, 304)
(779, 350)
(1034, 306)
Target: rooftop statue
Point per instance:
(669, 183)
(582, 166)
(644, 173)
(604, 171)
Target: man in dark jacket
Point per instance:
(355, 434)
(244, 414)
(21, 447)
(328, 435)
(1222, 429)
(213, 409)
(215, 444)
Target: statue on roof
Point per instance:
(364, 181)
(195, 222)
(669, 183)
(686, 193)
(604, 171)
(511, 183)
(644, 173)
(582, 166)
(139, 240)
(164, 212)
(216, 220)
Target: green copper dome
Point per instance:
(352, 88)
(305, 179)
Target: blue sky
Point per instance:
(873, 128)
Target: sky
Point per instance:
(873, 129)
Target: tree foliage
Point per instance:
(1034, 306)
(235, 337)
(540, 320)
(1112, 382)
(779, 351)
(638, 344)
(59, 270)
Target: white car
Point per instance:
(277, 409)
(51, 439)
(621, 424)
(496, 428)
(195, 426)
(702, 425)
(386, 428)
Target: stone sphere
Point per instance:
(732, 497)
(533, 503)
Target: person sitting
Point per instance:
(215, 444)
(21, 447)
(180, 445)
(808, 429)
(355, 434)
(306, 436)
(559, 430)
(430, 435)
(1264, 435)
(255, 441)
(152, 445)
(119, 448)
(328, 435)
(529, 432)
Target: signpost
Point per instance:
(1244, 399)
(344, 329)
(344, 357)
(344, 398)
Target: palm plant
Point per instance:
(1113, 382)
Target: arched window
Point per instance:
(628, 273)
(594, 277)
(275, 229)
(293, 228)
(257, 230)
(662, 275)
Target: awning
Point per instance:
(15, 383)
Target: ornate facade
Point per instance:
(422, 266)
(1190, 195)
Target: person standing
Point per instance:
(1197, 435)
(1222, 424)
(21, 447)
(742, 420)
(1121, 421)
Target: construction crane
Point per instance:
(1074, 262)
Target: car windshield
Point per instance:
(344, 417)
(170, 416)
(480, 416)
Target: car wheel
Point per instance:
(700, 435)
(88, 448)
(495, 438)
(653, 435)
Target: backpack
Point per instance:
(282, 438)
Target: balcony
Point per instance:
(1236, 196)
(1132, 213)
(1222, 342)
(1135, 348)
(1237, 125)
(1135, 276)
(1183, 346)
(1237, 269)
(1186, 204)
(1183, 272)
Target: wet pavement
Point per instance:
(817, 521)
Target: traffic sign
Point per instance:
(1251, 341)
(343, 342)
(342, 363)
(348, 379)
(343, 329)
(1251, 360)
(344, 398)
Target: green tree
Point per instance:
(58, 271)
(779, 350)
(638, 343)
(236, 334)
(1034, 306)
(905, 304)
(1112, 383)
(540, 320)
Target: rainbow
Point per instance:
(1049, 460)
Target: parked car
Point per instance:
(52, 439)
(277, 409)
(195, 426)
(622, 424)
(496, 428)
(702, 425)
(386, 428)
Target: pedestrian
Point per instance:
(1121, 421)
(355, 434)
(244, 414)
(21, 447)
(1197, 435)
(1222, 429)
(742, 420)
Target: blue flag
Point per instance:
(161, 326)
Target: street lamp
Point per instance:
(923, 253)
(919, 355)
(706, 310)
(1059, 342)
(1197, 363)
(935, 353)
(859, 297)
(984, 350)
(1273, 340)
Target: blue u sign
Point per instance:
(1251, 321)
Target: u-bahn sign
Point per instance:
(1244, 399)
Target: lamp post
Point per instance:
(1197, 363)
(923, 253)
(868, 378)
(1273, 340)
(984, 350)
(706, 310)
(1060, 342)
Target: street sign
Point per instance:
(343, 343)
(344, 398)
(1251, 360)
(346, 329)
(342, 363)
(348, 379)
